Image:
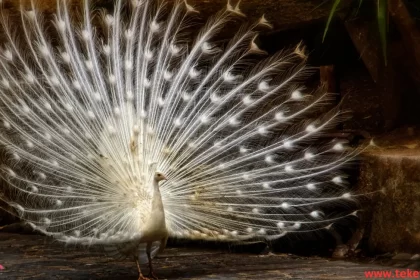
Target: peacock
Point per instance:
(122, 127)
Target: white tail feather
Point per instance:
(88, 111)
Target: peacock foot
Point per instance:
(141, 277)
(152, 275)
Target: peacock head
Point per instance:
(159, 177)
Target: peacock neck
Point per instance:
(157, 199)
(157, 204)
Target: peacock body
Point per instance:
(98, 110)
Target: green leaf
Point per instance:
(332, 12)
(382, 16)
(358, 8)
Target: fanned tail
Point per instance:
(90, 111)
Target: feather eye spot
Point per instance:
(154, 26)
(147, 83)
(86, 35)
(178, 122)
(262, 130)
(150, 130)
(288, 144)
(5, 83)
(54, 80)
(8, 55)
(148, 55)
(262, 231)
(143, 114)
(338, 147)
(289, 168)
(25, 108)
(285, 205)
(315, 214)
(77, 85)
(337, 180)
(10, 172)
(42, 176)
(68, 107)
(229, 77)
(130, 96)
(66, 57)
(31, 14)
(109, 20)
(247, 100)
(263, 86)
(46, 221)
(97, 96)
(61, 25)
(19, 209)
(297, 225)
(194, 73)
(128, 65)
(266, 185)
(90, 115)
(6, 124)
(167, 75)
(308, 155)
(208, 48)
(33, 189)
(217, 144)
(296, 95)
(129, 34)
(269, 159)
(29, 144)
(204, 119)
(45, 52)
(233, 121)
(29, 77)
(346, 195)
(89, 65)
(311, 186)
(112, 79)
(279, 116)
(243, 150)
(106, 49)
(311, 128)
(47, 105)
(186, 96)
(16, 156)
(174, 49)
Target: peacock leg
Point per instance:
(148, 251)
(141, 277)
